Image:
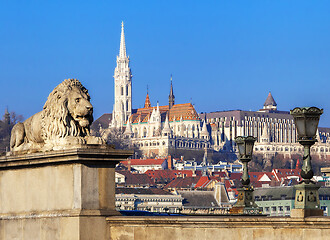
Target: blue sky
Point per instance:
(223, 54)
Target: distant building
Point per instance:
(127, 179)
(211, 202)
(178, 130)
(151, 199)
(279, 201)
(157, 131)
(143, 165)
(275, 131)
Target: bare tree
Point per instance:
(6, 125)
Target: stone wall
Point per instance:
(220, 228)
(58, 194)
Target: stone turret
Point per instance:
(270, 103)
(166, 129)
(265, 135)
(128, 130)
(205, 134)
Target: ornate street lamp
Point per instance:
(307, 201)
(245, 201)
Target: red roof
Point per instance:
(183, 183)
(285, 173)
(137, 179)
(186, 111)
(203, 182)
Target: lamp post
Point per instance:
(245, 201)
(307, 201)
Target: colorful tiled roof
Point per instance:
(185, 111)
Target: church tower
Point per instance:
(123, 86)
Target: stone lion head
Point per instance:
(67, 111)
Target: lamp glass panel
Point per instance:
(300, 125)
(249, 147)
(241, 148)
(311, 125)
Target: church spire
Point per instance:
(147, 103)
(122, 50)
(123, 86)
(171, 96)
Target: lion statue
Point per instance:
(64, 121)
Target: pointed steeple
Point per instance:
(122, 50)
(171, 97)
(204, 163)
(123, 86)
(270, 102)
(147, 103)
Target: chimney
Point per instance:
(169, 162)
(129, 165)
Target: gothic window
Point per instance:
(121, 91)
(126, 90)
(127, 106)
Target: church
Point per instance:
(173, 129)
(178, 130)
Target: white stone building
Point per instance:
(275, 131)
(151, 199)
(159, 130)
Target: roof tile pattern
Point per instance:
(184, 111)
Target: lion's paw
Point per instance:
(94, 140)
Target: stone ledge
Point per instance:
(59, 213)
(83, 153)
(221, 221)
(303, 213)
(220, 228)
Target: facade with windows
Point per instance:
(279, 201)
(275, 131)
(151, 199)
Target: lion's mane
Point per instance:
(56, 118)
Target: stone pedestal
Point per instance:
(307, 201)
(245, 204)
(58, 194)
